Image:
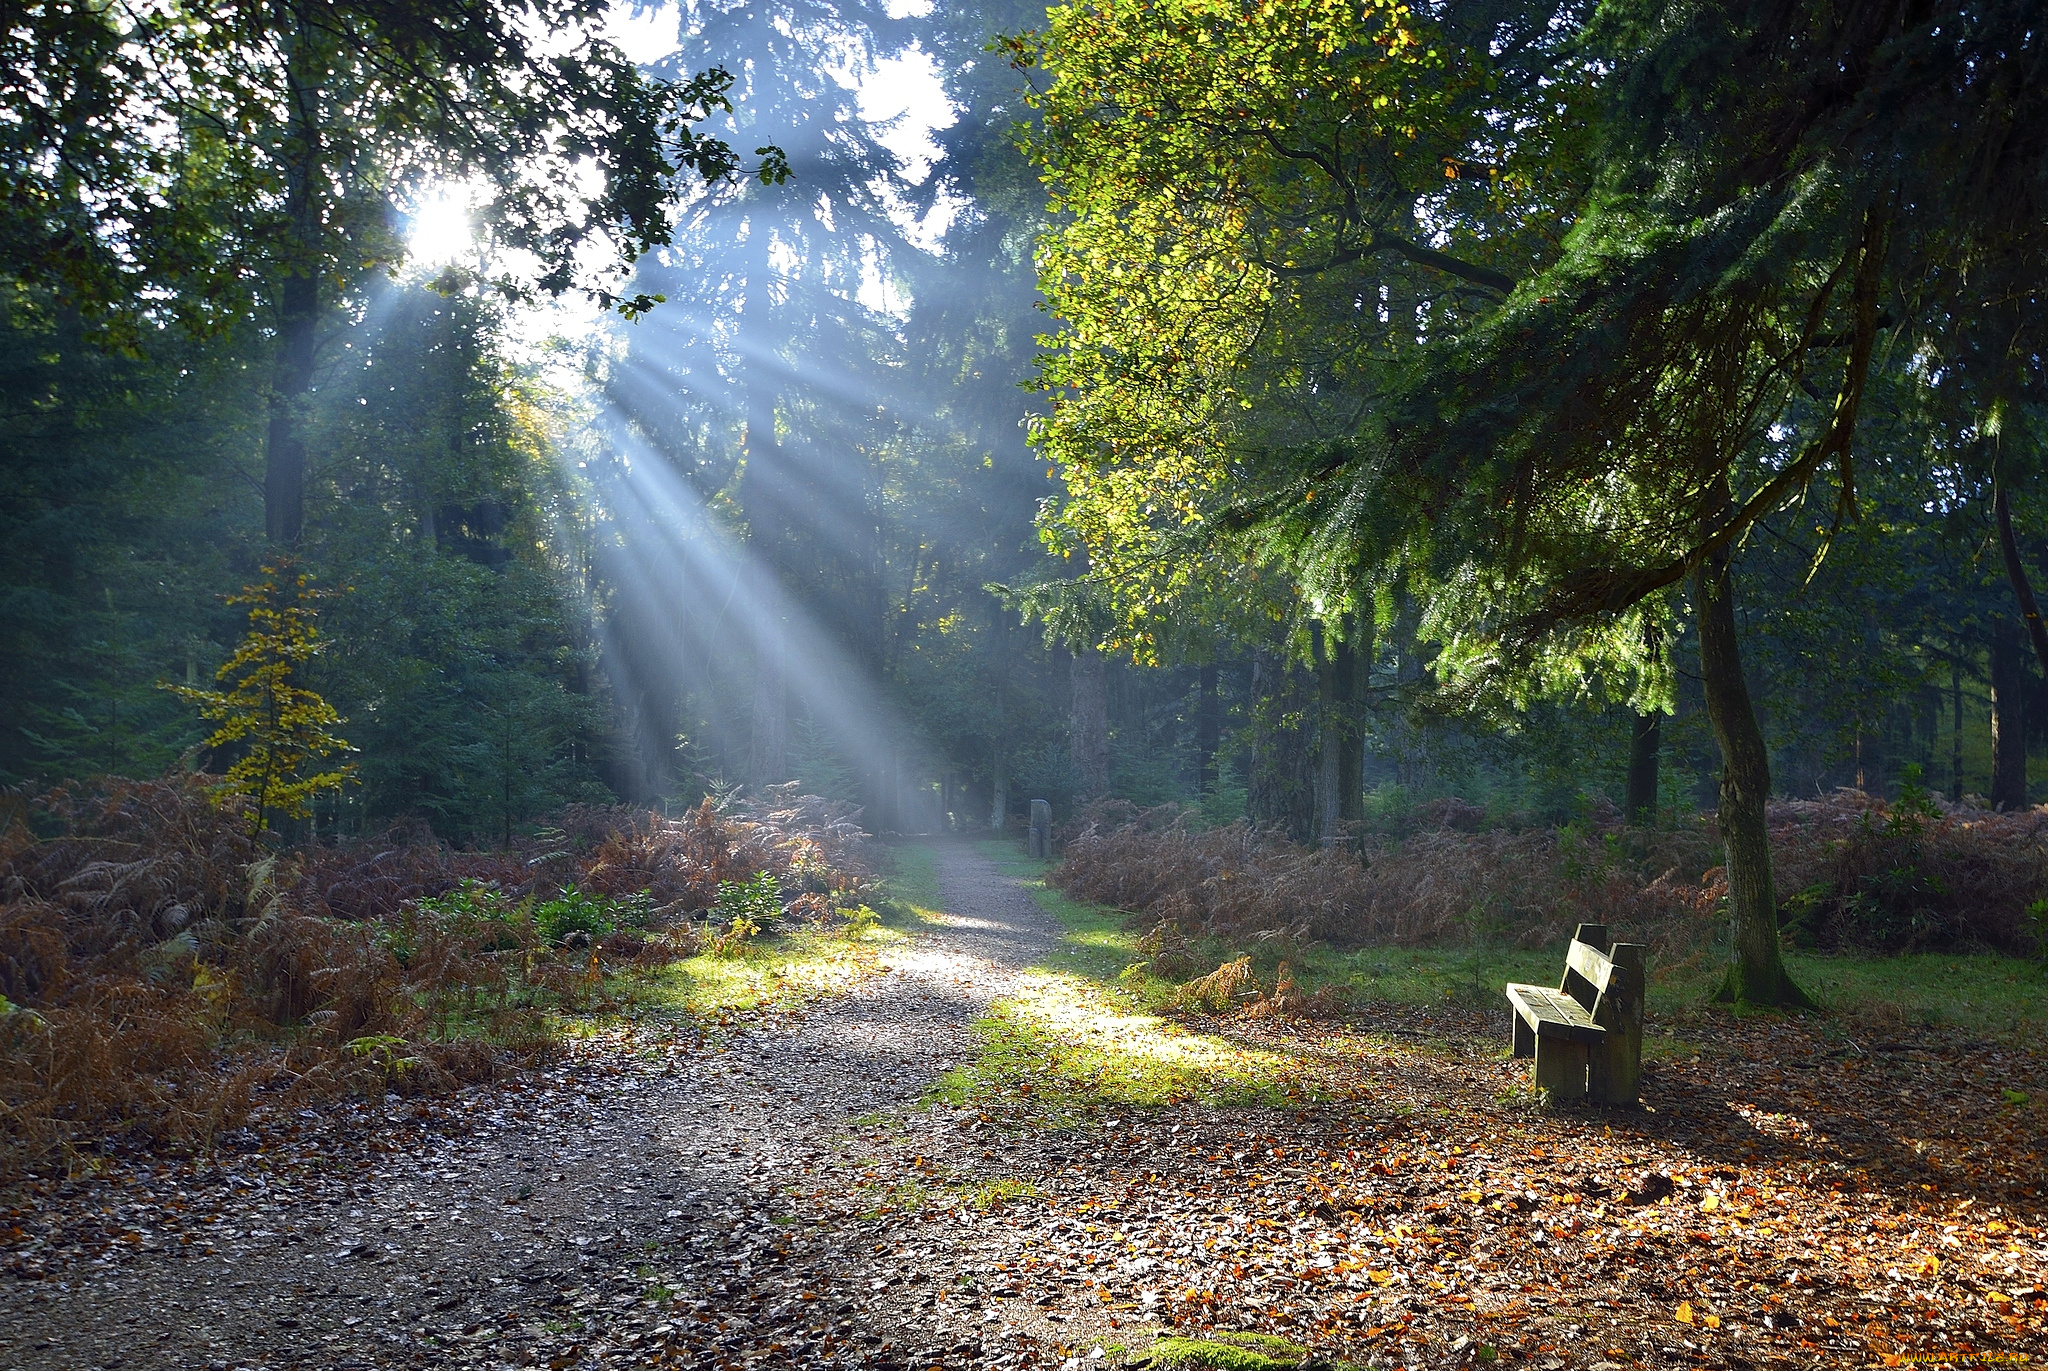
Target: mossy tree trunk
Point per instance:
(1756, 970)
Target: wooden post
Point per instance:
(1616, 1065)
(1041, 828)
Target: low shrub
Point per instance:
(1914, 875)
(757, 899)
(736, 940)
(578, 918)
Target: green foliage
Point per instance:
(1240, 262)
(737, 940)
(480, 913)
(385, 1051)
(758, 899)
(1914, 808)
(578, 912)
(276, 724)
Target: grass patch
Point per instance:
(1228, 1352)
(995, 1194)
(777, 973)
(786, 970)
(1988, 995)
(1064, 1048)
(906, 1197)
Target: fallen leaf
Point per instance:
(1683, 1313)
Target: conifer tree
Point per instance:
(267, 711)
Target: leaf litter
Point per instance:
(792, 1192)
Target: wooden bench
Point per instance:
(1586, 1035)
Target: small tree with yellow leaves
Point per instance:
(280, 724)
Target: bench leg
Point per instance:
(1525, 1037)
(1616, 1074)
(1560, 1070)
(1615, 1068)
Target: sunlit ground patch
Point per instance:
(1063, 1046)
(777, 973)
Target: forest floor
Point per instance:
(986, 1152)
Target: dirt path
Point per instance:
(650, 1201)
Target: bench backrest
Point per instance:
(1597, 970)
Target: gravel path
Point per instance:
(651, 1203)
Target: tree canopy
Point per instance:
(1557, 394)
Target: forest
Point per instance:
(551, 551)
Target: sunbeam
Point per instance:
(699, 609)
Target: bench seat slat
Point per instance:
(1554, 1014)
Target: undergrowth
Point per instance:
(162, 974)
(1856, 874)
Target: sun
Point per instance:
(441, 227)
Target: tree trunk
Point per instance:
(1329, 742)
(1340, 768)
(1756, 974)
(1645, 745)
(1955, 744)
(1354, 664)
(762, 498)
(298, 315)
(2008, 719)
(2016, 572)
(1208, 730)
(999, 802)
(1283, 765)
(1090, 736)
